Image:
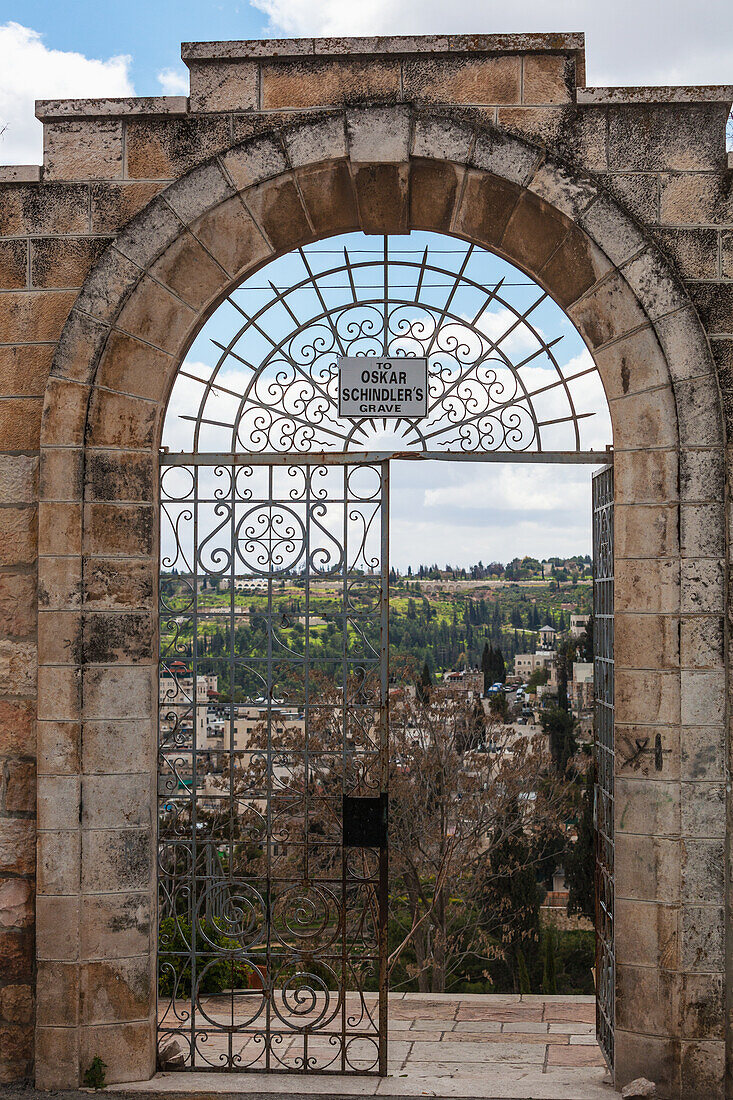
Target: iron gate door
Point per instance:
(604, 756)
(273, 764)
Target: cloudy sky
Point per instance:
(96, 47)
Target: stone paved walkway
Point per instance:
(498, 1047)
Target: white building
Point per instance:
(580, 688)
(179, 703)
(547, 635)
(578, 624)
(527, 663)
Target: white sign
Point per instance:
(374, 386)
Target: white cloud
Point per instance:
(173, 81)
(30, 71)
(628, 42)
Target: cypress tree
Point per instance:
(549, 982)
(424, 684)
(525, 985)
(580, 865)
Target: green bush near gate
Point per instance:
(215, 972)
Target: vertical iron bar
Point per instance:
(344, 732)
(232, 709)
(384, 766)
(307, 474)
(603, 678)
(269, 901)
(194, 760)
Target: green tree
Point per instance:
(424, 684)
(499, 707)
(538, 677)
(549, 981)
(512, 891)
(486, 665)
(580, 864)
(566, 652)
(559, 725)
(525, 986)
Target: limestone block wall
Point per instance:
(517, 160)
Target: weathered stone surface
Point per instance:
(254, 161)
(20, 423)
(548, 78)
(129, 1048)
(156, 315)
(382, 197)
(278, 211)
(664, 138)
(378, 135)
(58, 863)
(323, 83)
(463, 80)
(57, 927)
(59, 637)
(607, 312)
(486, 207)
(18, 665)
(438, 137)
(231, 236)
(125, 529)
(58, 802)
(117, 420)
(221, 86)
(58, 748)
(664, 164)
(638, 1089)
(118, 692)
(17, 604)
(16, 1004)
(16, 903)
(13, 264)
(434, 189)
(166, 148)
(116, 925)
(64, 262)
(59, 583)
(112, 992)
(117, 584)
(115, 744)
(189, 271)
(20, 786)
(329, 198)
(113, 204)
(123, 856)
(17, 733)
(320, 139)
(115, 636)
(83, 150)
(25, 369)
(59, 527)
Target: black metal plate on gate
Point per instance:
(365, 822)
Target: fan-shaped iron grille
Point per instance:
(497, 380)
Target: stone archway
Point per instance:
(382, 170)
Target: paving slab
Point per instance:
(484, 1047)
(477, 1052)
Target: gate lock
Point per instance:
(365, 822)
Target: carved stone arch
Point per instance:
(381, 170)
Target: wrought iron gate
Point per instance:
(273, 763)
(273, 731)
(604, 756)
